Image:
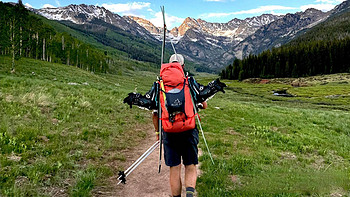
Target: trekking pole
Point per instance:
(200, 126)
(124, 174)
(159, 105)
(160, 131)
(173, 49)
(205, 141)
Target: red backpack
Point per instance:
(175, 99)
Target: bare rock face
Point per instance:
(189, 23)
(146, 24)
(175, 32)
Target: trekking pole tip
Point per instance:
(160, 166)
(122, 177)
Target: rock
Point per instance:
(14, 157)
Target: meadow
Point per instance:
(65, 131)
(62, 129)
(265, 145)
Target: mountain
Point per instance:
(84, 14)
(111, 32)
(201, 41)
(341, 8)
(211, 45)
(204, 42)
(294, 27)
(322, 49)
(145, 23)
(236, 29)
(337, 26)
(278, 32)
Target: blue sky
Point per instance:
(209, 10)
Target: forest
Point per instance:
(23, 34)
(297, 60)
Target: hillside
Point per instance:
(64, 130)
(323, 49)
(24, 35)
(336, 27)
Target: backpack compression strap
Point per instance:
(162, 89)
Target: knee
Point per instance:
(191, 167)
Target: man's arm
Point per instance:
(202, 93)
(155, 123)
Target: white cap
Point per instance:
(177, 58)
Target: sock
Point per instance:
(189, 191)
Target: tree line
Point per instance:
(22, 34)
(297, 60)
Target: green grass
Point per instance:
(64, 131)
(272, 146)
(61, 127)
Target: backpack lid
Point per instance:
(172, 74)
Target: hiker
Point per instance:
(175, 92)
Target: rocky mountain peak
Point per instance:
(76, 13)
(175, 32)
(188, 24)
(94, 15)
(311, 12)
(344, 6)
(146, 24)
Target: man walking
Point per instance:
(179, 96)
(181, 145)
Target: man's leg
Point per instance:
(175, 180)
(190, 176)
(190, 179)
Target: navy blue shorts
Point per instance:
(181, 145)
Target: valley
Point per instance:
(281, 129)
(66, 131)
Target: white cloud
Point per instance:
(259, 10)
(48, 6)
(28, 5)
(323, 7)
(170, 21)
(58, 3)
(127, 8)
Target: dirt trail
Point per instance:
(145, 180)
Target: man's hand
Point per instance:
(203, 105)
(157, 135)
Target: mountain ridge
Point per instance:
(214, 45)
